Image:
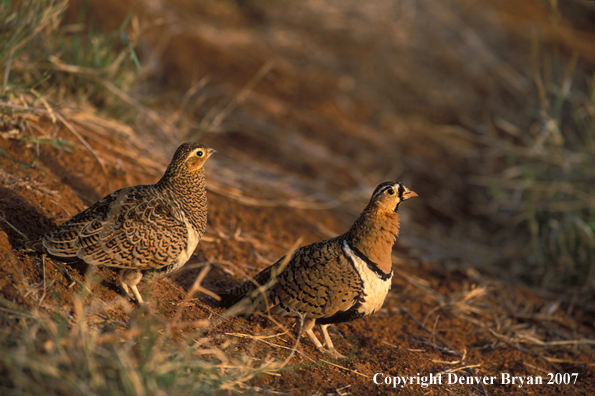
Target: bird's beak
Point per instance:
(212, 151)
(409, 194)
(406, 195)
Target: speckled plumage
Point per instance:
(335, 280)
(146, 228)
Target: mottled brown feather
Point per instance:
(321, 282)
(143, 228)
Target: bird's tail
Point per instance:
(228, 300)
(252, 293)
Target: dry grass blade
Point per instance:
(196, 286)
(52, 113)
(48, 17)
(262, 339)
(3, 218)
(236, 195)
(451, 349)
(345, 368)
(257, 337)
(152, 114)
(215, 117)
(528, 339)
(72, 129)
(249, 302)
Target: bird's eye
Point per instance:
(390, 191)
(200, 153)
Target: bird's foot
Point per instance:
(331, 352)
(136, 297)
(129, 279)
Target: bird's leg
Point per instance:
(131, 278)
(137, 294)
(329, 343)
(308, 326)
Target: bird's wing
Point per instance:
(130, 228)
(62, 241)
(318, 281)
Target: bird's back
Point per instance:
(318, 281)
(135, 227)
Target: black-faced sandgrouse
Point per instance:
(141, 229)
(335, 280)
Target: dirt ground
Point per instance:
(307, 136)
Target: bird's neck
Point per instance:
(189, 190)
(374, 235)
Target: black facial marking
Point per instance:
(401, 190)
(381, 188)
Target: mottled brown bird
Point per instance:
(141, 229)
(335, 280)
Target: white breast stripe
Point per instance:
(375, 289)
(192, 243)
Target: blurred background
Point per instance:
(485, 109)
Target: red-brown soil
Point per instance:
(297, 159)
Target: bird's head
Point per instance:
(389, 195)
(187, 162)
(190, 157)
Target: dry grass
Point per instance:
(492, 308)
(41, 56)
(48, 351)
(535, 185)
(546, 185)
